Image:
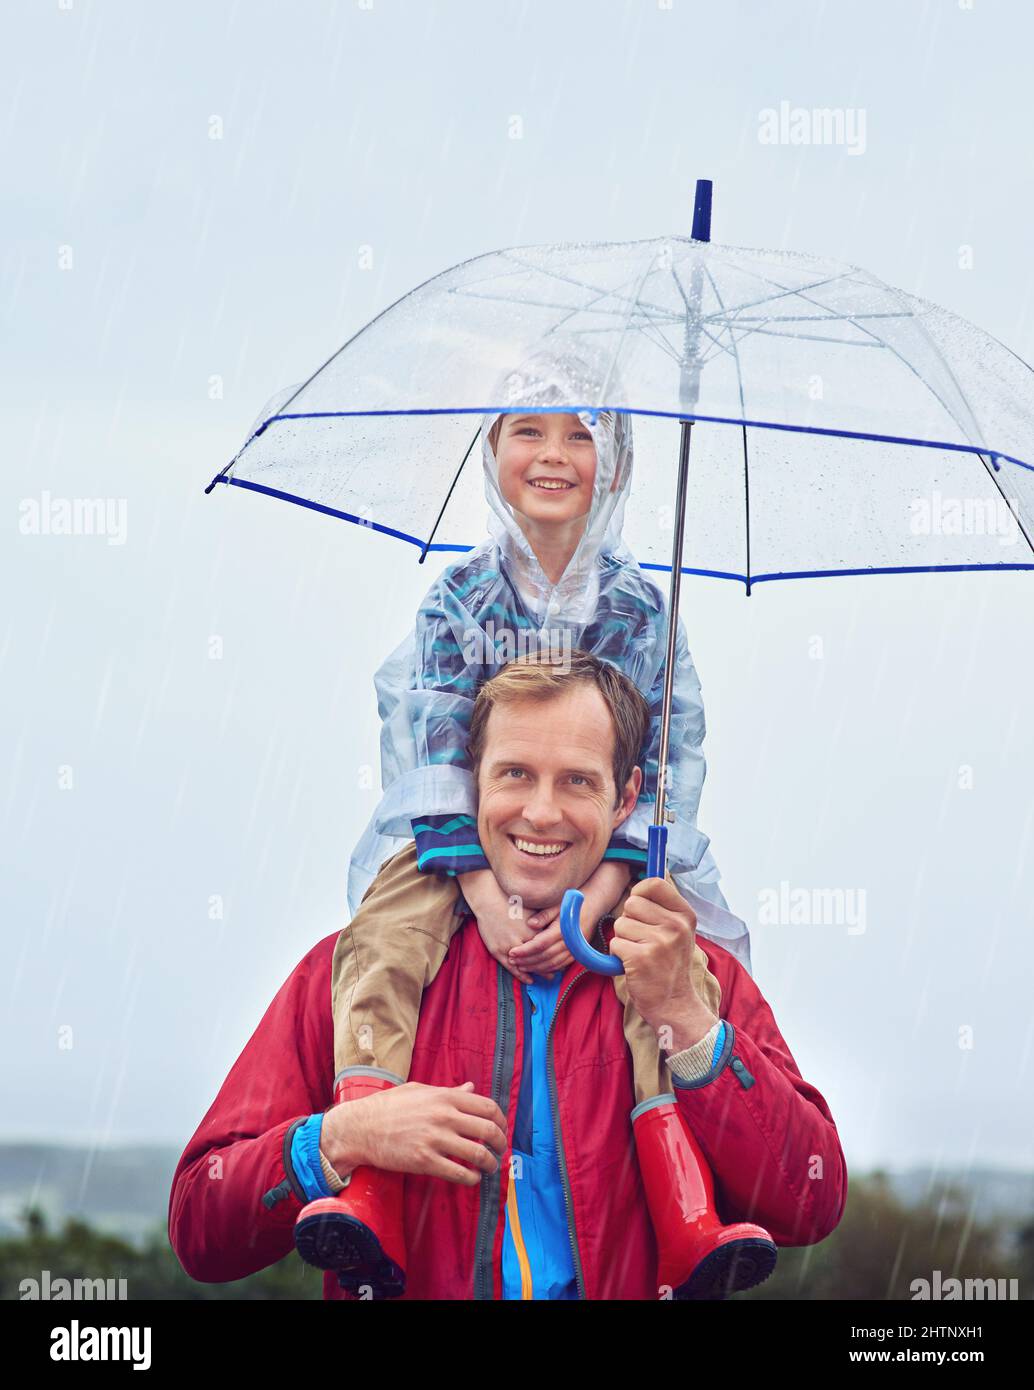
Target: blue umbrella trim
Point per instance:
(686, 569)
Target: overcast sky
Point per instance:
(869, 734)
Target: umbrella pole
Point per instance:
(658, 835)
(657, 838)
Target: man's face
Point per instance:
(546, 794)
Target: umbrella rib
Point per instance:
(879, 342)
(820, 318)
(813, 338)
(704, 320)
(907, 364)
(1014, 510)
(448, 495)
(746, 502)
(535, 303)
(579, 284)
(652, 312)
(743, 408)
(732, 323)
(618, 294)
(659, 340)
(633, 305)
(710, 319)
(617, 351)
(784, 291)
(951, 377)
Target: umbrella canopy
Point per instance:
(843, 426)
(838, 425)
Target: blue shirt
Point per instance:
(535, 1174)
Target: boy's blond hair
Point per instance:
(493, 433)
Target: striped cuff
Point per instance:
(634, 858)
(448, 844)
(625, 852)
(696, 1062)
(334, 1180)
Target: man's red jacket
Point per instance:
(769, 1135)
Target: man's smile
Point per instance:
(539, 849)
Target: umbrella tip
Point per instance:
(702, 210)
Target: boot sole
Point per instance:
(348, 1247)
(739, 1265)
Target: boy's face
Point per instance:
(547, 466)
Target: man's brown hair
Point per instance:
(533, 678)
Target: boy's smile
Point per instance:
(550, 484)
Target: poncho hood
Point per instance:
(564, 374)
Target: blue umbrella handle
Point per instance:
(571, 911)
(656, 851)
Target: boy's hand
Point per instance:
(602, 891)
(501, 923)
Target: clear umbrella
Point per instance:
(838, 425)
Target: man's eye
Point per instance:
(519, 771)
(579, 779)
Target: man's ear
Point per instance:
(629, 797)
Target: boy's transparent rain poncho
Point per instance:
(497, 603)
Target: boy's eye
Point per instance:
(531, 429)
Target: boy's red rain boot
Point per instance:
(698, 1257)
(358, 1231)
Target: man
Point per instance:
(547, 1077)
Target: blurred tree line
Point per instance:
(880, 1246)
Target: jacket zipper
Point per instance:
(491, 1184)
(564, 1178)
